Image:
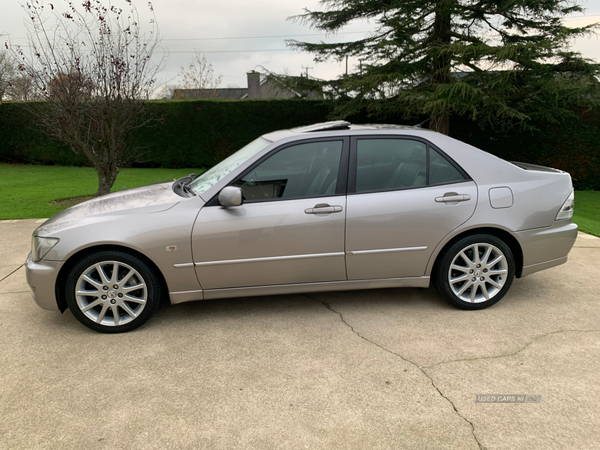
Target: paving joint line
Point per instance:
(504, 355)
(11, 273)
(421, 369)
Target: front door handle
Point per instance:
(323, 208)
(451, 197)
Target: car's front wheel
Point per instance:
(112, 291)
(475, 272)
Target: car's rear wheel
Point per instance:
(112, 291)
(475, 272)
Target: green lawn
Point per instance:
(27, 191)
(587, 211)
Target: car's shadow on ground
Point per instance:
(242, 307)
(397, 301)
(275, 306)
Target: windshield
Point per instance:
(209, 178)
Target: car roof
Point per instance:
(342, 128)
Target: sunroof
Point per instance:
(325, 126)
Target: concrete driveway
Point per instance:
(386, 369)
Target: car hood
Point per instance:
(142, 200)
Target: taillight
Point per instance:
(566, 211)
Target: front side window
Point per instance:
(299, 171)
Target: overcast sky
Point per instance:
(186, 25)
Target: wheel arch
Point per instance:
(70, 263)
(505, 236)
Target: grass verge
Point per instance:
(587, 211)
(30, 192)
(27, 192)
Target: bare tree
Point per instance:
(7, 72)
(200, 77)
(22, 89)
(70, 85)
(93, 67)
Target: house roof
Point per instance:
(222, 93)
(269, 83)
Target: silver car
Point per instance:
(327, 207)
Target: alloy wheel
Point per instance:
(478, 273)
(111, 293)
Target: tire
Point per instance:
(112, 304)
(471, 278)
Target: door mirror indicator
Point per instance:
(230, 196)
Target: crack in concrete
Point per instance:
(421, 369)
(11, 273)
(504, 355)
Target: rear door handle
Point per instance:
(323, 208)
(450, 197)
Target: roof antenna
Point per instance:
(422, 123)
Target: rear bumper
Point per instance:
(41, 278)
(547, 247)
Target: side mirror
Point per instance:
(230, 196)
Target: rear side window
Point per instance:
(390, 164)
(385, 164)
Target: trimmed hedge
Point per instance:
(22, 142)
(197, 133)
(572, 146)
(190, 133)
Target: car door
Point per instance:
(290, 228)
(404, 196)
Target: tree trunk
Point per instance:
(440, 123)
(106, 179)
(440, 69)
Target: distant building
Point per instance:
(268, 87)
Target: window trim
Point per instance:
(342, 182)
(353, 167)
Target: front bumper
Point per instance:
(547, 247)
(41, 278)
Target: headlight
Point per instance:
(566, 212)
(40, 246)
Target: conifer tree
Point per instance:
(505, 62)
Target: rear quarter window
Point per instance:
(441, 171)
